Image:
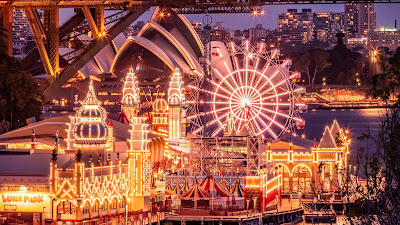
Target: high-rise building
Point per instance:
(297, 25)
(196, 26)
(219, 25)
(257, 33)
(220, 35)
(327, 25)
(361, 18)
(21, 30)
(384, 37)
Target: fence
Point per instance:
(223, 205)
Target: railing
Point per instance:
(229, 206)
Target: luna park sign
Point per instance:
(22, 198)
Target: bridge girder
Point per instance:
(40, 37)
(33, 55)
(202, 6)
(92, 49)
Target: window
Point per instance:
(122, 203)
(114, 203)
(86, 207)
(105, 205)
(96, 206)
(66, 207)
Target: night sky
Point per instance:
(386, 14)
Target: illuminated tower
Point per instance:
(131, 96)
(175, 99)
(160, 117)
(88, 128)
(139, 165)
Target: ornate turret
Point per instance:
(175, 99)
(88, 128)
(131, 96)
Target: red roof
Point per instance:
(196, 192)
(209, 183)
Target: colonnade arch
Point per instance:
(297, 179)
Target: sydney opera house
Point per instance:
(162, 45)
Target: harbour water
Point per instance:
(357, 121)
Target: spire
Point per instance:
(335, 129)
(131, 92)
(327, 140)
(91, 98)
(175, 91)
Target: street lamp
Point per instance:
(43, 217)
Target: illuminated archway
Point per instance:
(86, 208)
(122, 204)
(281, 169)
(96, 208)
(301, 178)
(114, 203)
(105, 206)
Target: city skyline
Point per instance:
(386, 14)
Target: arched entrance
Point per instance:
(283, 170)
(301, 181)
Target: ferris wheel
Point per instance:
(249, 91)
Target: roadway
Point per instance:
(179, 6)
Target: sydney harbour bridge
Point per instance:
(49, 35)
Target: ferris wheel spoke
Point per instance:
(222, 88)
(212, 122)
(272, 120)
(280, 114)
(283, 93)
(254, 71)
(279, 84)
(217, 103)
(246, 69)
(209, 112)
(217, 131)
(209, 92)
(263, 76)
(253, 94)
(267, 127)
(224, 79)
(273, 75)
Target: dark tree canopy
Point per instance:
(378, 201)
(20, 96)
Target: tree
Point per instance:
(311, 63)
(20, 95)
(378, 200)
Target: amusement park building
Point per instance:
(81, 168)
